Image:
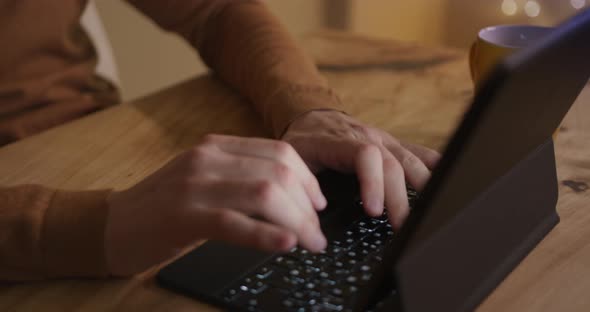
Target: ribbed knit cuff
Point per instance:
(73, 235)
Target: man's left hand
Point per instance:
(331, 139)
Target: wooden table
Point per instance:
(415, 93)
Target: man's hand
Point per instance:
(330, 139)
(213, 191)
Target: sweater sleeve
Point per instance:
(46, 233)
(249, 49)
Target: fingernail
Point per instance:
(374, 207)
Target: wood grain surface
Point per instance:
(415, 93)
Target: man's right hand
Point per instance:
(213, 192)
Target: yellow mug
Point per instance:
(496, 42)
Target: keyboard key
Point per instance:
(365, 278)
(231, 294)
(270, 300)
(352, 279)
(337, 292)
(285, 282)
(299, 295)
(368, 224)
(288, 303)
(247, 300)
(309, 262)
(258, 287)
(345, 243)
(279, 260)
(383, 218)
(364, 253)
(334, 250)
(322, 260)
(252, 286)
(341, 274)
(300, 254)
(330, 303)
(328, 281)
(252, 302)
(263, 273)
(344, 291)
(338, 264)
(289, 263)
(374, 241)
(369, 246)
(310, 302)
(356, 234)
(349, 261)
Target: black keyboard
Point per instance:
(300, 281)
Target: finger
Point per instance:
(264, 199)
(396, 198)
(428, 156)
(244, 168)
(369, 169)
(362, 158)
(279, 151)
(234, 227)
(415, 170)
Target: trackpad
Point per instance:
(210, 268)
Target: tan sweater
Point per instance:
(47, 78)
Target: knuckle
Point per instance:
(391, 164)
(369, 149)
(409, 159)
(283, 149)
(394, 140)
(223, 218)
(373, 135)
(303, 225)
(264, 193)
(390, 138)
(364, 133)
(198, 157)
(209, 139)
(283, 174)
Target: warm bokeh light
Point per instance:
(532, 8)
(509, 7)
(578, 4)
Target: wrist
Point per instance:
(304, 118)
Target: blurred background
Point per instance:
(148, 59)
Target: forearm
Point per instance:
(46, 233)
(249, 49)
(253, 52)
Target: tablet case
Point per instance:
(458, 267)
